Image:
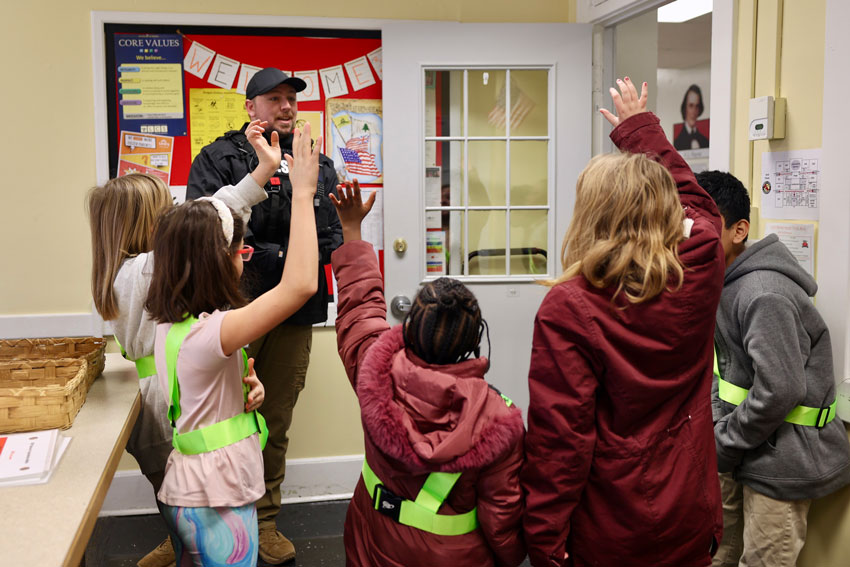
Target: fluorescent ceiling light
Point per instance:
(683, 10)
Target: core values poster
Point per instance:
(149, 70)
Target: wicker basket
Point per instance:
(41, 394)
(90, 348)
(44, 382)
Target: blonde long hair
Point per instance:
(122, 214)
(626, 228)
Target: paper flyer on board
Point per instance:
(145, 153)
(799, 238)
(212, 113)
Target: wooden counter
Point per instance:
(50, 524)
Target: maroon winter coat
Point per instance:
(419, 418)
(621, 466)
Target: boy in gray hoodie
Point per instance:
(778, 443)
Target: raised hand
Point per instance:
(304, 163)
(256, 391)
(626, 104)
(268, 154)
(351, 208)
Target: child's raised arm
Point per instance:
(361, 309)
(638, 131)
(351, 209)
(299, 280)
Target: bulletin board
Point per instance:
(213, 65)
(171, 90)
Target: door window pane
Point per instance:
(529, 173)
(487, 170)
(529, 242)
(529, 103)
(486, 243)
(443, 103)
(486, 102)
(444, 175)
(444, 243)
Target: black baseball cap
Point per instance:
(266, 79)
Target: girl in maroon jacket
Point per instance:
(621, 466)
(440, 483)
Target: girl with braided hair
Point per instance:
(440, 481)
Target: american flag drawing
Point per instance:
(521, 105)
(358, 160)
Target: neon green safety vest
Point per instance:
(219, 434)
(800, 415)
(422, 512)
(145, 366)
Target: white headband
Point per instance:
(225, 215)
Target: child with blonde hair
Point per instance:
(122, 215)
(620, 454)
(214, 475)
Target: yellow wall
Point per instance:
(48, 158)
(780, 52)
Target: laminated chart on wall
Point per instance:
(212, 113)
(149, 71)
(790, 184)
(146, 153)
(355, 130)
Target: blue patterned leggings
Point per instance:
(213, 537)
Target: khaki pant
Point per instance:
(281, 358)
(759, 531)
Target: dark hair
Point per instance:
(729, 194)
(694, 89)
(193, 265)
(444, 324)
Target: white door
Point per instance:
(486, 128)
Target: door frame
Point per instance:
(608, 13)
(833, 261)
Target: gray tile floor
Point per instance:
(314, 528)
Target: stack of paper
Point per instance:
(30, 458)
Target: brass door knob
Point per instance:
(400, 245)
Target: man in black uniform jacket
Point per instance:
(282, 355)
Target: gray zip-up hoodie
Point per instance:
(771, 340)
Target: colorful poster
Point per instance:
(435, 252)
(790, 185)
(212, 112)
(799, 238)
(149, 68)
(145, 153)
(355, 130)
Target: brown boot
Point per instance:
(274, 547)
(162, 556)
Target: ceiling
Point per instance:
(686, 44)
